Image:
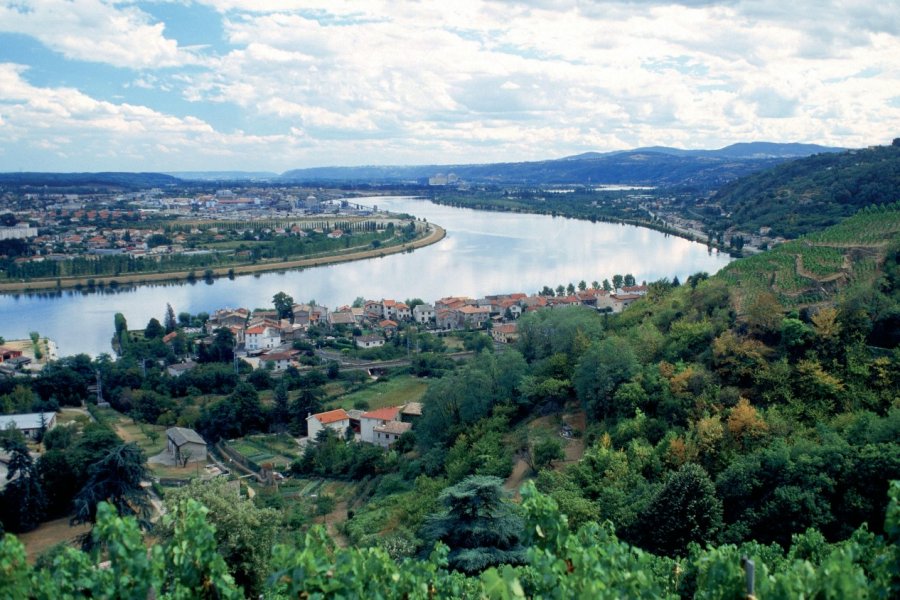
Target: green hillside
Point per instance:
(815, 267)
(808, 194)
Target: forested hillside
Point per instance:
(807, 194)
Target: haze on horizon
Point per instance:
(106, 85)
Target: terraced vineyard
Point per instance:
(811, 269)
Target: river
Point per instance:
(483, 253)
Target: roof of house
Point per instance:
(389, 413)
(258, 330)
(506, 328)
(26, 421)
(342, 318)
(183, 435)
(412, 408)
(169, 337)
(388, 323)
(331, 416)
(395, 427)
(474, 310)
(369, 338)
(181, 367)
(276, 356)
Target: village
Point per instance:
(272, 340)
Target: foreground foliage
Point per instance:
(560, 563)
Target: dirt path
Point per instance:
(520, 472)
(437, 234)
(801, 271)
(332, 520)
(574, 447)
(48, 535)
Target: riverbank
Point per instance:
(655, 223)
(436, 234)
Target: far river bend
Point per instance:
(483, 253)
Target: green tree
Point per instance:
(170, 321)
(154, 330)
(220, 350)
(116, 479)
(281, 408)
(629, 280)
(617, 281)
(684, 510)
(605, 366)
(478, 524)
(23, 499)
(244, 534)
(121, 331)
(284, 305)
(545, 452)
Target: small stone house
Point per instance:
(185, 445)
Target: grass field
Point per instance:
(150, 438)
(393, 392)
(279, 449)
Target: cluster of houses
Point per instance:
(382, 427)
(263, 336)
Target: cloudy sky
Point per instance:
(278, 84)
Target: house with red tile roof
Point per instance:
(261, 337)
(505, 333)
(337, 420)
(473, 316)
(389, 326)
(368, 421)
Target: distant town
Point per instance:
(69, 238)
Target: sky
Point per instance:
(272, 85)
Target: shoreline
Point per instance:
(668, 229)
(41, 285)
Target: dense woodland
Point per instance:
(735, 415)
(805, 195)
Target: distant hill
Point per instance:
(656, 166)
(811, 193)
(81, 180)
(746, 150)
(224, 175)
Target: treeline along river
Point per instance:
(483, 253)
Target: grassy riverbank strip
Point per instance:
(435, 234)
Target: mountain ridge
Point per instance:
(654, 165)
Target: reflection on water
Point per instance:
(483, 253)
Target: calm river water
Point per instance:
(483, 253)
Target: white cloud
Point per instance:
(108, 32)
(352, 82)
